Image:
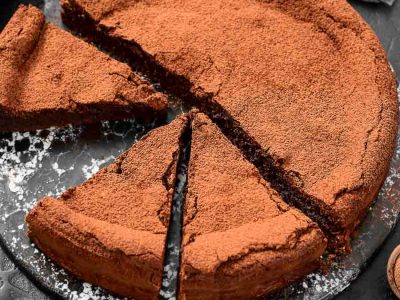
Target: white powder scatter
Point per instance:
(58, 169)
(330, 284)
(15, 182)
(95, 165)
(22, 153)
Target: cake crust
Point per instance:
(51, 78)
(111, 230)
(104, 254)
(307, 83)
(240, 240)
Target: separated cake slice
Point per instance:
(240, 240)
(111, 230)
(51, 78)
(303, 87)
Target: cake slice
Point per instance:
(240, 240)
(303, 87)
(51, 78)
(111, 230)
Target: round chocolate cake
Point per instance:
(291, 140)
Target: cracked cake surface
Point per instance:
(306, 81)
(111, 230)
(240, 240)
(51, 78)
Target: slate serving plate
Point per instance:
(34, 164)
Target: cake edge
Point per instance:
(120, 263)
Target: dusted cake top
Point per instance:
(136, 190)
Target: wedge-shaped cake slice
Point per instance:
(111, 230)
(51, 78)
(240, 240)
(305, 82)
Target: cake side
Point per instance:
(20, 36)
(240, 240)
(55, 79)
(251, 261)
(124, 261)
(327, 152)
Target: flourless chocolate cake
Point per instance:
(111, 230)
(51, 78)
(302, 87)
(301, 122)
(240, 240)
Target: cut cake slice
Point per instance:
(111, 230)
(51, 78)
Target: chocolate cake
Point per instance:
(240, 240)
(111, 230)
(51, 78)
(302, 87)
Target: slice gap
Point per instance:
(170, 279)
(78, 20)
(286, 184)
